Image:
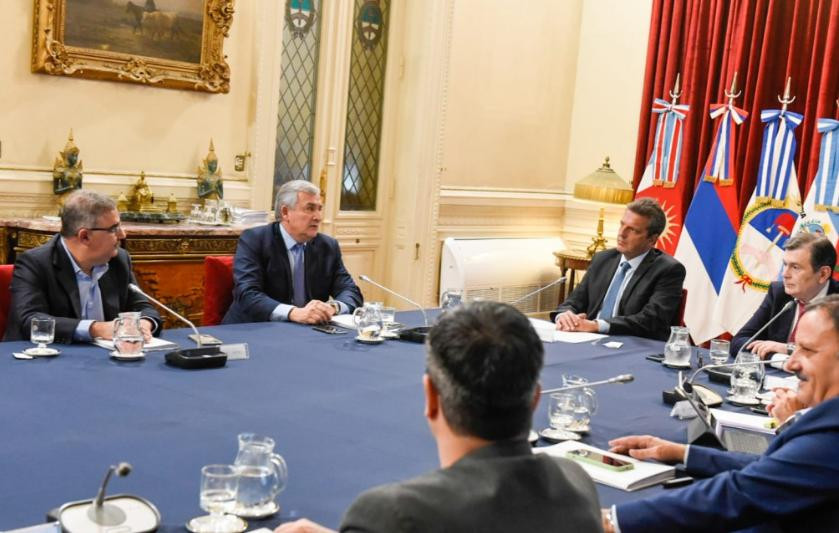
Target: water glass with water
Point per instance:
(128, 334)
(746, 379)
(42, 332)
(561, 416)
(219, 486)
(719, 351)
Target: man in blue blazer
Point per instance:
(632, 289)
(808, 266)
(794, 485)
(286, 270)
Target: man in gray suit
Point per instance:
(481, 386)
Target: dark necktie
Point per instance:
(797, 320)
(612, 294)
(298, 276)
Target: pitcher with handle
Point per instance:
(262, 476)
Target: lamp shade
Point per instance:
(604, 186)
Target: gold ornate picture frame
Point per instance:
(176, 44)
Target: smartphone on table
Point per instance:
(599, 459)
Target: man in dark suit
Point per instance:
(286, 270)
(80, 277)
(481, 386)
(793, 486)
(808, 267)
(632, 289)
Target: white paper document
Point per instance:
(730, 419)
(154, 345)
(345, 321)
(778, 382)
(643, 474)
(548, 333)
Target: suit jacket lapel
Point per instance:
(110, 296)
(637, 276)
(282, 257)
(66, 276)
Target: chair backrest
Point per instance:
(218, 288)
(682, 307)
(6, 272)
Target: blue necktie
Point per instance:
(298, 276)
(612, 294)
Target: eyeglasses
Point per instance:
(116, 228)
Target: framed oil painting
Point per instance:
(164, 43)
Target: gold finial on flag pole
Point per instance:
(786, 100)
(733, 93)
(676, 93)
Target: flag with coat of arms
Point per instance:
(769, 220)
(822, 203)
(711, 226)
(661, 175)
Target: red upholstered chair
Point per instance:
(5, 296)
(682, 303)
(218, 288)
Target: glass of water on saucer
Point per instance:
(219, 488)
(561, 417)
(42, 333)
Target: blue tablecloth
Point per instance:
(345, 416)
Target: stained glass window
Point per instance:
(359, 179)
(298, 92)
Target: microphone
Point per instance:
(198, 357)
(623, 378)
(537, 291)
(688, 385)
(124, 512)
(789, 305)
(108, 514)
(411, 334)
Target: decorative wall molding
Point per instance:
(510, 197)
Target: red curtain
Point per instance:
(764, 41)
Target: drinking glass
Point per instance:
(42, 333)
(746, 379)
(561, 416)
(128, 334)
(219, 486)
(388, 315)
(719, 351)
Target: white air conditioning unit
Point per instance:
(502, 270)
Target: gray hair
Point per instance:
(287, 195)
(82, 209)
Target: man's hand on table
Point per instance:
(571, 321)
(302, 526)
(765, 348)
(645, 447)
(315, 312)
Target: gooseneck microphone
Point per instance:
(688, 385)
(415, 304)
(106, 514)
(139, 291)
(537, 291)
(789, 305)
(623, 378)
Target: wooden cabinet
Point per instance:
(168, 259)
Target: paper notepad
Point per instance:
(730, 419)
(548, 333)
(154, 345)
(345, 321)
(643, 474)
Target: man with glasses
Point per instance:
(80, 277)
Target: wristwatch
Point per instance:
(335, 306)
(790, 348)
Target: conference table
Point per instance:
(345, 416)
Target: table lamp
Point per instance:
(603, 186)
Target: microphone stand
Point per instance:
(623, 378)
(415, 304)
(417, 334)
(537, 291)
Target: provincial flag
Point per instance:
(822, 203)
(661, 175)
(768, 222)
(711, 226)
